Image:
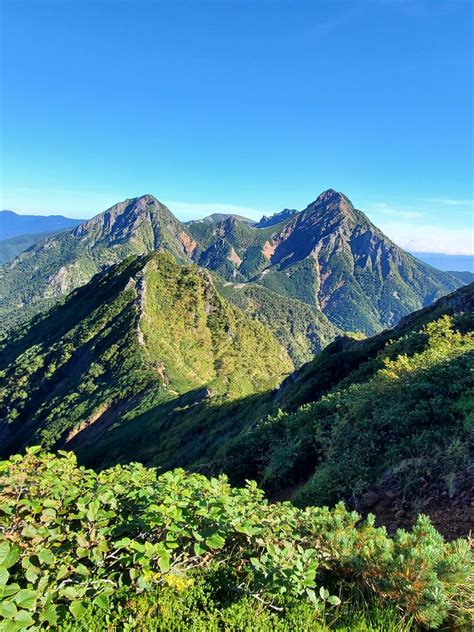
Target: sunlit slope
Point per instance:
(147, 340)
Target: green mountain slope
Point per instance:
(302, 329)
(13, 246)
(385, 420)
(110, 370)
(329, 255)
(38, 277)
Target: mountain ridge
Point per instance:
(13, 224)
(135, 347)
(329, 256)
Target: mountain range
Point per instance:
(19, 232)
(12, 224)
(224, 346)
(329, 257)
(150, 362)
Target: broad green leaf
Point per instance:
(4, 551)
(50, 614)
(82, 570)
(8, 609)
(102, 602)
(25, 599)
(77, 609)
(215, 541)
(24, 618)
(164, 564)
(199, 549)
(46, 556)
(4, 575)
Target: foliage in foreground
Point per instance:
(71, 538)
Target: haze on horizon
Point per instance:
(243, 107)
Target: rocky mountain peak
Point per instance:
(123, 214)
(332, 205)
(332, 197)
(276, 218)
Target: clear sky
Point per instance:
(250, 106)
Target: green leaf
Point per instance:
(81, 552)
(215, 541)
(50, 614)
(8, 609)
(77, 609)
(30, 575)
(12, 557)
(34, 449)
(10, 590)
(82, 570)
(46, 556)
(29, 531)
(102, 602)
(4, 575)
(24, 618)
(334, 600)
(199, 549)
(25, 599)
(164, 564)
(312, 597)
(4, 551)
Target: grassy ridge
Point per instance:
(137, 362)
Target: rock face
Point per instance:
(329, 256)
(276, 218)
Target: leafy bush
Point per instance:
(405, 413)
(71, 538)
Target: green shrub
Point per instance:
(70, 537)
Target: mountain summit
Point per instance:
(38, 277)
(329, 256)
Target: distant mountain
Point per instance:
(55, 266)
(13, 246)
(276, 218)
(142, 362)
(465, 277)
(219, 217)
(329, 256)
(459, 263)
(12, 224)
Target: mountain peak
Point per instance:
(276, 218)
(330, 196)
(146, 199)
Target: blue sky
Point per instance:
(245, 106)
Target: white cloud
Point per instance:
(452, 202)
(386, 209)
(449, 241)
